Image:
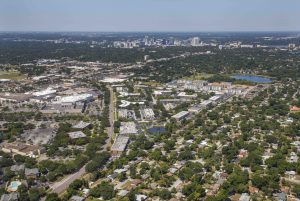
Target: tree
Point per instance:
(104, 190)
(189, 189)
(132, 171)
(296, 190)
(22, 190)
(164, 194)
(8, 174)
(91, 166)
(52, 197)
(35, 194)
(122, 176)
(259, 181)
(237, 182)
(186, 173)
(98, 161)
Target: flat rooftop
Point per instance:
(120, 143)
(76, 135)
(128, 128)
(180, 114)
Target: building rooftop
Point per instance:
(17, 168)
(81, 125)
(128, 128)
(10, 197)
(77, 198)
(15, 96)
(73, 99)
(76, 135)
(21, 147)
(120, 143)
(32, 171)
(180, 114)
(45, 92)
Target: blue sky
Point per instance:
(150, 15)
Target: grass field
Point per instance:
(13, 75)
(153, 84)
(199, 76)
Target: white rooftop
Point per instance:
(120, 143)
(81, 125)
(76, 135)
(73, 99)
(112, 80)
(128, 128)
(44, 92)
(180, 114)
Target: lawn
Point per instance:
(199, 76)
(13, 75)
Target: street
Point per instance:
(62, 185)
(110, 130)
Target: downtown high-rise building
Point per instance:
(195, 41)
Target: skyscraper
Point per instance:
(195, 41)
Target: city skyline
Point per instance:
(149, 16)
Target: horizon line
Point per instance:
(154, 31)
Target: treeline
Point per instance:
(25, 52)
(278, 64)
(106, 96)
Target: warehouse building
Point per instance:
(181, 115)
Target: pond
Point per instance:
(156, 130)
(252, 78)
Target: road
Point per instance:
(110, 130)
(62, 185)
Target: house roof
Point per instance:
(33, 171)
(77, 198)
(17, 168)
(10, 197)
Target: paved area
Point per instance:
(62, 185)
(110, 130)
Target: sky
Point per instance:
(150, 15)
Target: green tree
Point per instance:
(104, 190)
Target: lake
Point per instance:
(252, 78)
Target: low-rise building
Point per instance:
(32, 173)
(147, 114)
(181, 115)
(10, 197)
(245, 197)
(77, 198)
(195, 109)
(76, 135)
(82, 125)
(64, 108)
(22, 149)
(18, 168)
(119, 145)
(8, 99)
(128, 128)
(126, 114)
